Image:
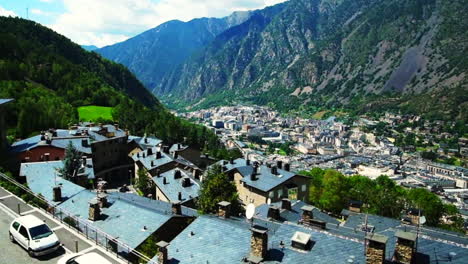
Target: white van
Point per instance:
(33, 235)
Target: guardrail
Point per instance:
(99, 237)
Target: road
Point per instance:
(12, 253)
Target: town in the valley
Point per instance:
(127, 193)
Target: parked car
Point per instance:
(88, 258)
(33, 235)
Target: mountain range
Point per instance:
(307, 56)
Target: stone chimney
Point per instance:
(287, 167)
(158, 155)
(176, 208)
(57, 194)
(94, 210)
(224, 209)
(307, 214)
(162, 252)
(177, 174)
(274, 212)
(405, 247)
(279, 164)
(259, 242)
(286, 204)
(375, 252)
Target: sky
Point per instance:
(105, 22)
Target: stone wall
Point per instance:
(375, 253)
(259, 245)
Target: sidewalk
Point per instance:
(72, 241)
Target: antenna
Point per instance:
(365, 235)
(249, 212)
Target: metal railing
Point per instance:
(84, 227)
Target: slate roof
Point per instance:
(175, 147)
(213, 240)
(123, 219)
(65, 136)
(5, 101)
(150, 141)
(146, 161)
(295, 214)
(40, 177)
(265, 179)
(380, 223)
(173, 186)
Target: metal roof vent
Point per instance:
(301, 240)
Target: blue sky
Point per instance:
(105, 22)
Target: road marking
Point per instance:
(28, 212)
(87, 250)
(4, 197)
(57, 228)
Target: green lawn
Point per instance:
(93, 113)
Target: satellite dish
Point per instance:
(250, 211)
(422, 220)
(269, 201)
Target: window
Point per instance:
(23, 232)
(16, 225)
(304, 187)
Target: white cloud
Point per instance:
(46, 1)
(4, 12)
(39, 12)
(105, 22)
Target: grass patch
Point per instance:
(319, 115)
(95, 113)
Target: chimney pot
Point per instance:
(94, 210)
(162, 252)
(286, 204)
(224, 209)
(259, 242)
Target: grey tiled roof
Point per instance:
(212, 240)
(146, 161)
(41, 178)
(173, 186)
(4, 101)
(295, 214)
(145, 142)
(380, 223)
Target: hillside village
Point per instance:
(103, 200)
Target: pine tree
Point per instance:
(71, 163)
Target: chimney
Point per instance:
(286, 204)
(224, 209)
(162, 252)
(138, 155)
(84, 160)
(158, 155)
(231, 161)
(279, 164)
(375, 251)
(179, 146)
(259, 242)
(166, 149)
(116, 126)
(176, 208)
(186, 182)
(144, 154)
(253, 176)
(94, 210)
(307, 214)
(164, 180)
(274, 212)
(176, 155)
(287, 167)
(177, 174)
(405, 247)
(47, 156)
(274, 170)
(146, 140)
(48, 141)
(301, 240)
(150, 151)
(247, 162)
(57, 192)
(158, 173)
(84, 142)
(179, 196)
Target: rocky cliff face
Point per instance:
(152, 54)
(329, 53)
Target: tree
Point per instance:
(71, 162)
(334, 197)
(143, 182)
(389, 198)
(315, 185)
(216, 188)
(429, 203)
